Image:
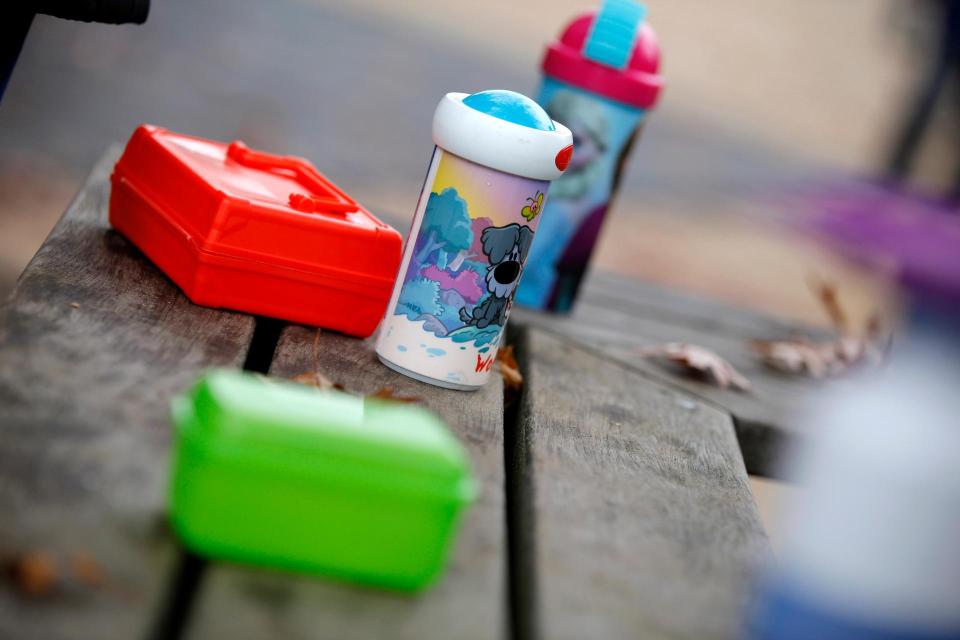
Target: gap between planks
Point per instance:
(521, 527)
(760, 442)
(186, 581)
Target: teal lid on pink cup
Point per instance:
(612, 52)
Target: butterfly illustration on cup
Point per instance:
(532, 209)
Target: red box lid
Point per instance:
(265, 210)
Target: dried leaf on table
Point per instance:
(34, 573)
(829, 298)
(822, 358)
(315, 378)
(699, 360)
(509, 369)
(387, 393)
(796, 356)
(87, 570)
(818, 359)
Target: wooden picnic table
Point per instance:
(614, 495)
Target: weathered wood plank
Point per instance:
(644, 523)
(605, 289)
(617, 315)
(470, 599)
(93, 343)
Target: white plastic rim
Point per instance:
(498, 144)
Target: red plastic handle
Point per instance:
(327, 197)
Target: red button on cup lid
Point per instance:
(563, 157)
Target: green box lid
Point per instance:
(292, 428)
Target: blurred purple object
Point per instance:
(870, 546)
(918, 238)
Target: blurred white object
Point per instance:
(872, 548)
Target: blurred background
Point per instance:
(764, 98)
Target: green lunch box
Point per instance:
(279, 474)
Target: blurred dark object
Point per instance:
(19, 18)
(106, 11)
(943, 67)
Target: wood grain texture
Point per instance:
(470, 599)
(617, 315)
(93, 344)
(643, 522)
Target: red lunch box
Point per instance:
(255, 232)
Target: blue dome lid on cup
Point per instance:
(511, 106)
(505, 131)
